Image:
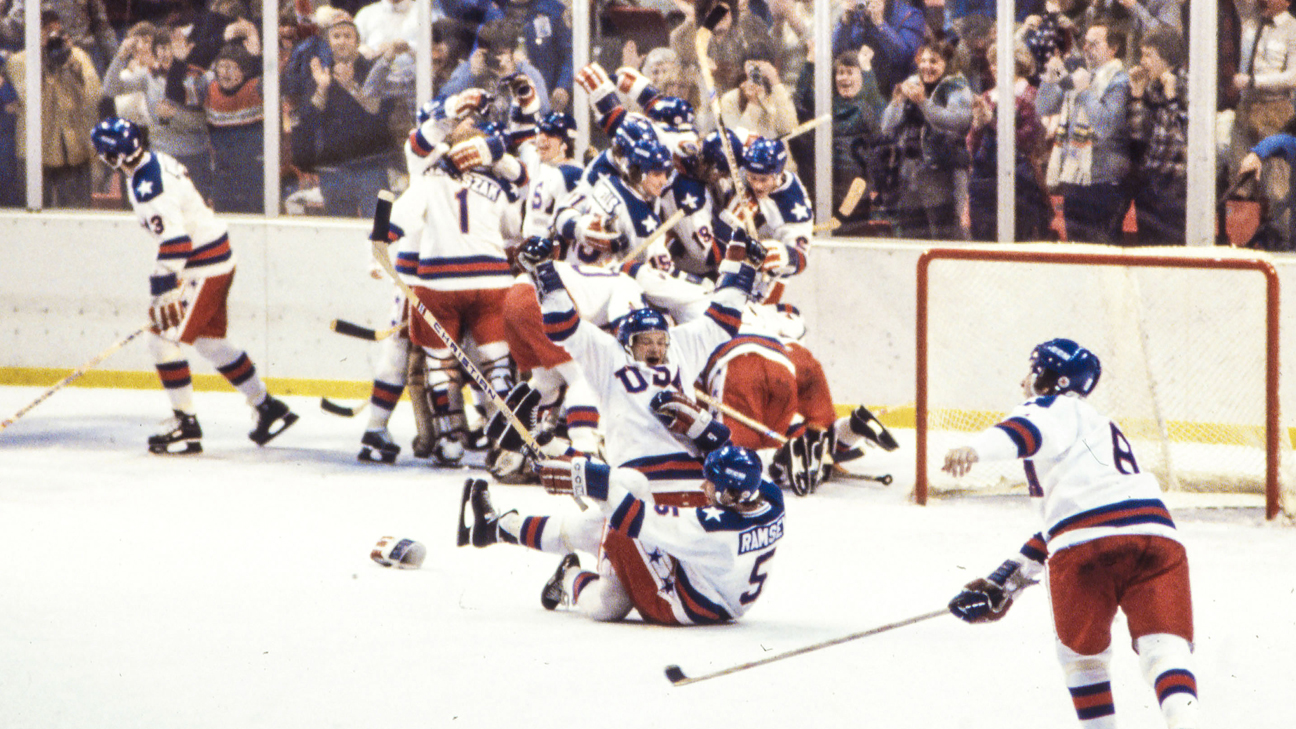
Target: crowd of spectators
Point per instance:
(1099, 85)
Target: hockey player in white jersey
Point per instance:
(646, 357)
(675, 566)
(466, 210)
(190, 287)
(554, 174)
(1109, 542)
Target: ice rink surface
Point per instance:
(234, 590)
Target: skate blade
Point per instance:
(369, 456)
(163, 449)
(260, 440)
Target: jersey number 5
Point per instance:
(757, 578)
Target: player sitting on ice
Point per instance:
(1109, 542)
(698, 566)
(646, 357)
(190, 287)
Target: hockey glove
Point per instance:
(524, 93)
(602, 94)
(467, 102)
(598, 232)
(789, 468)
(775, 260)
(684, 417)
(522, 400)
(481, 151)
(635, 85)
(556, 475)
(535, 256)
(987, 599)
(167, 311)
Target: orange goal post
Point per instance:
(1189, 345)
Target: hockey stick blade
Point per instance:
(346, 328)
(677, 678)
(329, 406)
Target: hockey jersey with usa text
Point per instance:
(192, 242)
(1081, 468)
(709, 563)
(633, 436)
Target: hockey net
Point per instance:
(1189, 352)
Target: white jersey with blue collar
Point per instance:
(710, 564)
(547, 191)
(635, 218)
(633, 436)
(1082, 469)
(692, 242)
(192, 242)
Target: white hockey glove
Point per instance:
(405, 554)
(563, 475)
(602, 94)
(167, 310)
(632, 84)
(598, 232)
(481, 151)
(467, 102)
(684, 417)
(776, 258)
(524, 93)
(987, 599)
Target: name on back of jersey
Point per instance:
(760, 537)
(484, 186)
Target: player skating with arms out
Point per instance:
(1109, 542)
(189, 285)
(647, 357)
(675, 566)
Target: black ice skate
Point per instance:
(182, 429)
(376, 446)
(553, 593)
(484, 529)
(269, 413)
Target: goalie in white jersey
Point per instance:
(696, 566)
(190, 287)
(1109, 541)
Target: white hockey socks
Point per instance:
(173, 371)
(1167, 665)
(582, 532)
(1089, 683)
(390, 367)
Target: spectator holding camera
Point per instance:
(545, 29)
(928, 120)
(1091, 151)
(69, 96)
(142, 66)
(761, 103)
(491, 63)
(894, 29)
(85, 25)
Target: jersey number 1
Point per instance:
(462, 197)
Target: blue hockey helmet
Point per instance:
(117, 140)
(492, 128)
(1061, 365)
(639, 321)
(429, 109)
(713, 151)
(558, 124)
(765, 156)
(671, 112)
(736, 473)
(637, 143)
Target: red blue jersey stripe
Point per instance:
(670, 467)
(1024, 434)
(175, 249)
(697, 606)
(462, 267)
(628, 518)
(728, 319)
(559, 325)
(218, 251)
(582, 416)
(1124, 513)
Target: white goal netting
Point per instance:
(1185, 344)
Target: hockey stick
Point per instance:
(329, 406)
(378, 240)
(805, 127)
(344, 327)
(677, 677)
(851, 201)
(656, 235)
(76, 374)
(702, 44)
